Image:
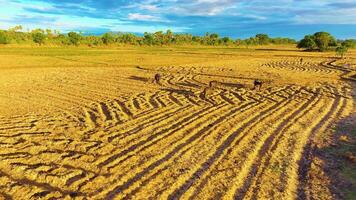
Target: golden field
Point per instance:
(89, 123)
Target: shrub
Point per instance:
(4, 38)
(349, 43)
(74, 38)
(108, 38)
(341, 51)
(324, 40)
(308, 42)
(38, 37)
(263, 39)
(320, 41)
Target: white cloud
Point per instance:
(342, 16)
(149, 7)
(143, 17)
(203, 7)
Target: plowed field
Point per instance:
(91, 124)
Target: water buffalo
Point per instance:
(157, 78)
(257, 83)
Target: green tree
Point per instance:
(213, 39)
(74, 38)
(49, 33)
(225, 41)
(349, 43)
(128, 38)
(324, 40)
(148, 38)
(262, 39)
(4, 37)
(108, 38)
(341, 51)
(308, 42)
(249, 41)
(158, 38)
(168, 37)
(38, 36)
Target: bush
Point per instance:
(263, 39)
(324, 40)
(4, 38)
(38, 37)
(74, 38)
(308, 42)
(349, 43)
(320, 41)
(108, 38)
(341, 51)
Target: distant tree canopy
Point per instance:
(349, 43)
(341, 51)
(38, 36)
(262, 39)
(4, 38)
(320, 41)
(74, 38)
(108, 38)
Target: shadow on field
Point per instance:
(340, 159)
(336, 159)
(182, 92)
(292, 50)
(138, 78)
(186, 84)
(236, 85)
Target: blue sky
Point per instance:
(234, 18)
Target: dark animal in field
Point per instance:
(157, 78)
(205, 95)
(257, 83)
(301, 60)
(213, 84)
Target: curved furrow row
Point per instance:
(183, 171)
(280, 161)
(110, 113)
(199, 136)
(116, 134)
(304, 189)
(300, 66)
(148, 139)
(264, 155)
(184, 137)
(134, 139)
(236, 139)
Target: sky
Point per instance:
(233, 18)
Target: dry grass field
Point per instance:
(89, 123)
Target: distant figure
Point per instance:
(301, 60)
(205, 95)
(213, 84)
(157, 78)
(257, 83)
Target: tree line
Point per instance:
(320, 41)
(15, 35)
(324, 41)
